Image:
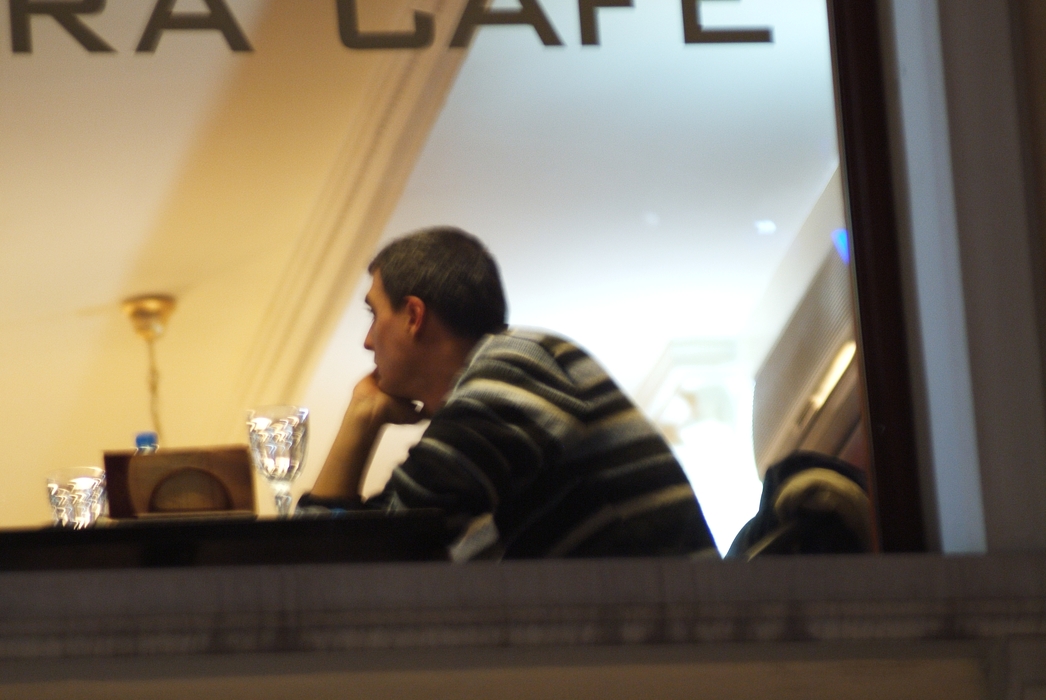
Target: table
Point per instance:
(364, 536)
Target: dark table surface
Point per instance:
(364, 536)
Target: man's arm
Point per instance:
(369, 410)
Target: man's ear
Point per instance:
(416, 314)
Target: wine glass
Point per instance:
(277, 436)
(77, 496)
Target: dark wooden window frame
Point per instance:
(865, 150)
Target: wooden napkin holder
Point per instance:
(179, 481)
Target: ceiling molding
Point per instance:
(405, 92)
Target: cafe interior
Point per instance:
(184, 233)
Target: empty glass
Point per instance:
(277, 436)
(77, 496)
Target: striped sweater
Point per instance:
(536, 433)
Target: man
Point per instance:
(524, 426)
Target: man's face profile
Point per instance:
(391, 339)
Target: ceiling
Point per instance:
(624, 181)
(619, 186)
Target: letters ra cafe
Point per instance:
(219, 17)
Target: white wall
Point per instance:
(974, 271)
(933, 234)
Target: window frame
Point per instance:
(856, 31)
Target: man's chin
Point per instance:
(385, 386)
(390, 387)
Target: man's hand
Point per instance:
(369, 410)
(372, 404)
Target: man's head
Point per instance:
(452, 272)
(434, 293)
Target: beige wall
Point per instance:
(591, 678)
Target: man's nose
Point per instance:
(367, 344)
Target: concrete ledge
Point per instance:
(337, 608)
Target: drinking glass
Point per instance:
(77, 496)
(277, 436)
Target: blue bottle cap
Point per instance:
(146, 439)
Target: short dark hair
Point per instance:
(452, 272)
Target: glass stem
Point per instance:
(282, 492)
